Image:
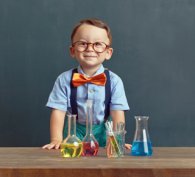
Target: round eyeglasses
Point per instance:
(82, 46)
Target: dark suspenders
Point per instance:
(107, 95)
(73, 95)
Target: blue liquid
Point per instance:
(140, 148)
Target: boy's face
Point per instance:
(89, 58)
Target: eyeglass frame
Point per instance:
(107, 46)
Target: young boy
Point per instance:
(91, 46)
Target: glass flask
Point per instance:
(142, 145)
(72, 145)
(90, 144)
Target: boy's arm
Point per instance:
(118, 116)
(56, 128)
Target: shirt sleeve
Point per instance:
(118, 98)
(58, 96)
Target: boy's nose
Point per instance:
(90, 47)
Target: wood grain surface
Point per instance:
(36, 162)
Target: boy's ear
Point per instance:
(72, 51)
(109, 52)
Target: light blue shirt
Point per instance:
(60, 96)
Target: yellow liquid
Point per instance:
(71, 150)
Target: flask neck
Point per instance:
(71, 125)
(141, 123)
(141, 132)
(89, 121)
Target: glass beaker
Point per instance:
(72, 145)
(142, 145)
(90, 144)
(115, 144)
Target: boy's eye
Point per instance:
(82, 43)
(99, 44)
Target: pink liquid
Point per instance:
(90, 149)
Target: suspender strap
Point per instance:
(73, 95)
(107, 95)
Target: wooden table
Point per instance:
(36, 162)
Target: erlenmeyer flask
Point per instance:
(142, 145)
(90, 144)
(72, 145)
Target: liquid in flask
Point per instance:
(90, 144)
(71, 146)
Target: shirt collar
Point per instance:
(99, 71)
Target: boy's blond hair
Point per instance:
(94, 22)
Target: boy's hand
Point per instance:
(128, 146)
(53, 145)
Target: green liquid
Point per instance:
(71, 150)
(115, 145)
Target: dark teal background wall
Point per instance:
(154, 54)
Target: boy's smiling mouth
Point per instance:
(89, 55)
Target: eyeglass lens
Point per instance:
(97, 46)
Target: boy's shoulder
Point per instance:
(68, 72)
(114, 76)
(66, 75)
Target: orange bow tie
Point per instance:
(79, 79)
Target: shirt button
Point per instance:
(91, 91)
